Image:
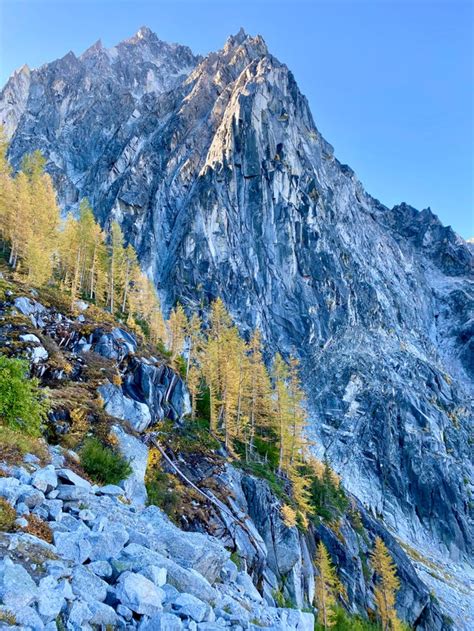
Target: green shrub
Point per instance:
(103, 464)
(161, 492)
(346, 622)
(23, 406)
(281, 600)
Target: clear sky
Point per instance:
(390, 82)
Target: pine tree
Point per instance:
(196, 348)
(297, 442)
(92, 253)
(29, 217)
(326, 588)
(280, 376)
(193, 382)
(117, 267)
(177, 327)
(387, 585)
(215, 362)
(259, 398)
(300, 488)
(6, 191)
(131, 270)
(20, 225)
(152, 313)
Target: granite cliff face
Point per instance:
(219, 177)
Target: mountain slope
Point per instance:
(219, 177)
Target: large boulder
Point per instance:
(137, 454)
(139, 594)
(34, 310)
(17, 588)
(190, 549)
(135, 413)
(137, 557)
(115, 344)
(159, 386)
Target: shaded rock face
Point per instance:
(281, 557)
(220, 179)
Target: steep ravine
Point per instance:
(220, 178)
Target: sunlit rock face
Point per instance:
(219, 177)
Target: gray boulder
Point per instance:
(79, 614)
(87, 585)
(191, 607)
(10, 489)
(73, 546)
(51, 598)
(101, 568)
(31, 308)
(69, 492)
(155, 574)
(115, 344)
(45, 479)
(193, 550)
(137, 557)
(28, 617)
(17, 588)
(139, 594)
(70, 477)
(162, 622)
(135, 413)
(103, 615)
(110, 489)
(31, 497)
(107, 544)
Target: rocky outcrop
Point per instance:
(111, 564)
(280, 558)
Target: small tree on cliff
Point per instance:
(326, 588)
(387, 585)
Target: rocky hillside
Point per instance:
(217, 554)
(220, 179)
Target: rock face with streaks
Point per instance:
(221, 180)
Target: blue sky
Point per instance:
(390, 82)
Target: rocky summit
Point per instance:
(219, 178)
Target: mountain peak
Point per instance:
(239, 37)
(144, 32)
(95, 48)
(255, 45)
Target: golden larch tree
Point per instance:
(327, 587)
(386, 587)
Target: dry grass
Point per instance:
(98, 368)
(7, 516)
(15, 445)
(8, 618)
(38, 528)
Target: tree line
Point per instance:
(77, 253)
